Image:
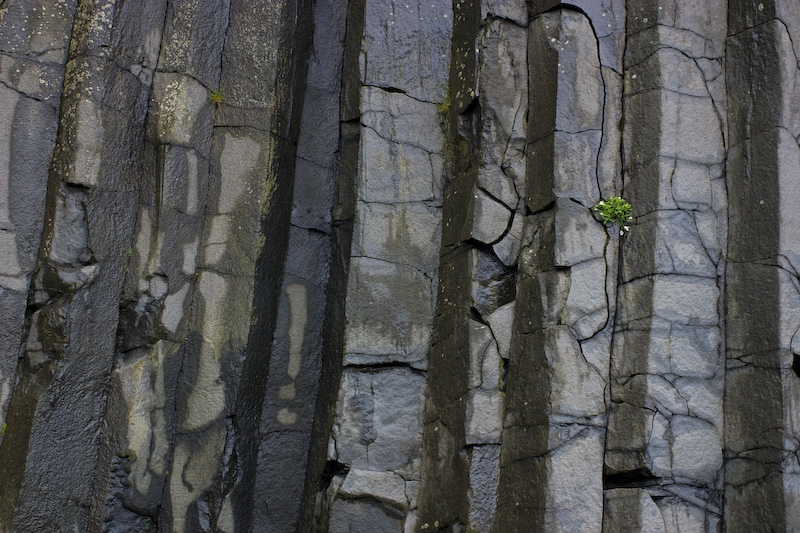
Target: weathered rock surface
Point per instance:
(333, 265)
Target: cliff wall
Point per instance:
(334, 265)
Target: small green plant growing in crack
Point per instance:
(216, 97)
(615, 209)
(3, 431)
(444, 105)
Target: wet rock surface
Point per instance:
(334, 265)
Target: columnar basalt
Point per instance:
(334, 265)
(665, 426)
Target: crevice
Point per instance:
(492, 17)
(373, 367)
(639, 478)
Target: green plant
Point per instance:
(3, 431)
(444, 105)
(216, 97)
(615, 209)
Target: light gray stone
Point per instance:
(484, 473)
(575, 484)
(480, 338)
(580, 84)
(491, 218)
(696, 449)
(678, 248)
(691, 184)
(384, 486)
(686, 299)
(700, 20)
(704, 397)
(680, 74)
(511, 9)
(608, 21)
(791, 487)
(502, 80)
(587, 302)
(690, 129)
(597, 351)
(179, 103)
(378, 420)
(579, 236)
(668, 400)
(490, 368)
(408, 46)
(507, 249)
(681, 516)
(693, 351)
(402, 233)
(389, 313)
(658, 453)
(402, 119)
(395, 172)
(500, 321)
(609, 164)
(575, 165)
(412, 493)
(494, 182)
(788, 159)
(576, 387)
(484, 412)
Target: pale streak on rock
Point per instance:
(172, 314)
(192, 471)
(179, 100)
(238, 160)
(88, 145)
(298, 316)
(207, 399)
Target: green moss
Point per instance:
(3, 431)
(444, 105)
(216, 97)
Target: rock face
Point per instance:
(333, 265)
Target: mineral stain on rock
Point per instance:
(333, 265)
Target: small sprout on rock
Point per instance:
(615, 209)
(444, 105)
(3, 431)
(216, 97)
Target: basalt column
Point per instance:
(214, 471)
(55, 422)
(156, 286)
(664, 461)
(291, 455)
(33, 51)
(483, 117)
(551, 476)
(762, 429)
(390, 294)
(162, 274)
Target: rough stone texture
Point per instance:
(333, 265)
(33, 52)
